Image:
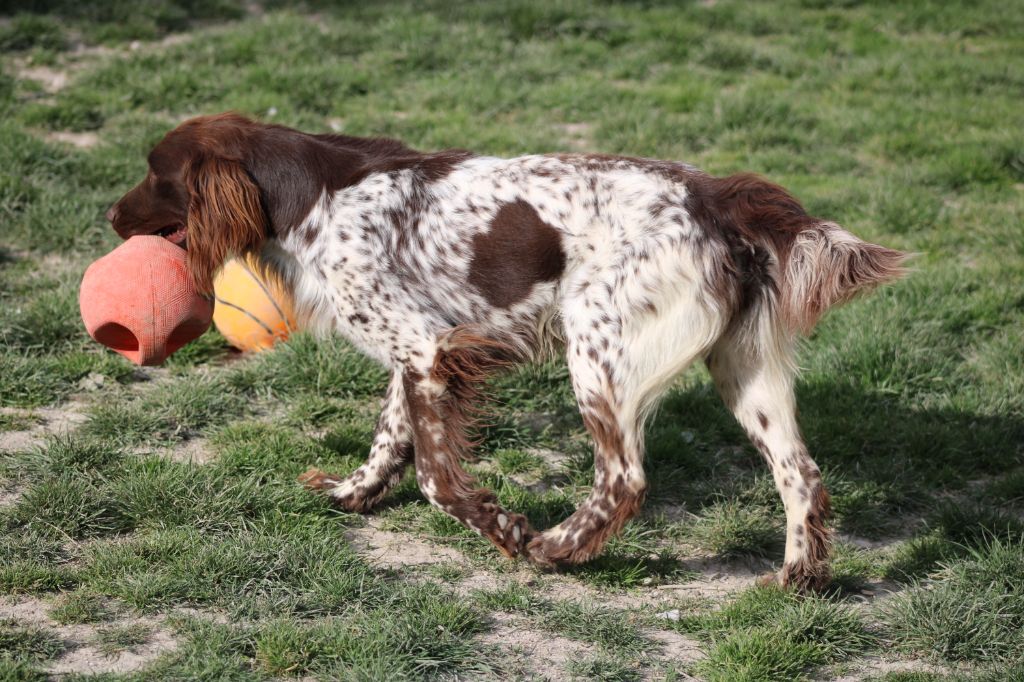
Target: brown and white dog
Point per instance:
(448, 266)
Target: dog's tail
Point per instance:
(827, 266)
(815, 263)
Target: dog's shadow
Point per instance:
(894, 472)
(887, 466)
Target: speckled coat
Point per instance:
(447, 267)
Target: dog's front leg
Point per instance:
(390, 454)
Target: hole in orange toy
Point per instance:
(117, 337)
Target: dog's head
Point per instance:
(200, 194)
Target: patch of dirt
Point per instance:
(867, 543)
(397, 550)
(544, 654)
(554, 459)
(577, 137)
(80, 140)
(192, 451)
(876, 667)
(53, 80)
(8, 498)
(676, 648)
(88, 659)
(717, 578)
(717, 581)
(81, 655)
(49, 421)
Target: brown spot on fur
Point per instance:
(762, 447)
(762, 419)
(518, 250)
(808, 471)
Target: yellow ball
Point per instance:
(253, 310)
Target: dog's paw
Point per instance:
(551, 550)
(350, 498)
(314, 479)
(803, 577)
(510, 533)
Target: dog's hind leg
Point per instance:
(620, 485)
(757, 385)
(625, 345)
(390, 454)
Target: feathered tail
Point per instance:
(828, 266)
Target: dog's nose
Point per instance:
(112, 213)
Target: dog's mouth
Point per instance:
(176, 234)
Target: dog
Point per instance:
(446, 267)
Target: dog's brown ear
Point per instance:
(225, 217)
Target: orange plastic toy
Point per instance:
(140, 301)
(254, 310)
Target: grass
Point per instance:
(116, 639)
(80, 607)
(729, 530)
(768, 634)
(972, 609)
(26, 642)
(898, 121)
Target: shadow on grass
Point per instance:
(938, 476)
(880, 459)
(891, 470)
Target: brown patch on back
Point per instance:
(755, 209)
(518, 251)
(758, 222)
